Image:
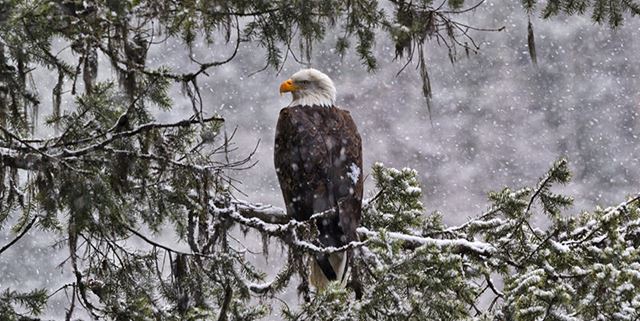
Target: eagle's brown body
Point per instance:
(318, 159)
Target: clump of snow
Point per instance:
(559, 246)
(412, 190)
(354, 173)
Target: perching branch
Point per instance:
(274, 221)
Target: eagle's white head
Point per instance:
(310, 87)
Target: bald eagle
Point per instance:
(318, 160)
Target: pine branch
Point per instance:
(32, 156)
(138, 130)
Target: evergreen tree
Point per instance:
(112, 172)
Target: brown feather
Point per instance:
(316, 149)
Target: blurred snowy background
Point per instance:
(497, 120)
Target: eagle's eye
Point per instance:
(303, 82)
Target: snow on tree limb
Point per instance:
(273, 220)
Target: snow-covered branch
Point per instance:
(274, 221)
(414, 241)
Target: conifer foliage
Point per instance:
(112, 173)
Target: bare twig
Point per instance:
(24, 231)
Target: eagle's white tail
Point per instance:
(338, 262)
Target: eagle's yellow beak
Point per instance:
(287, 86)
